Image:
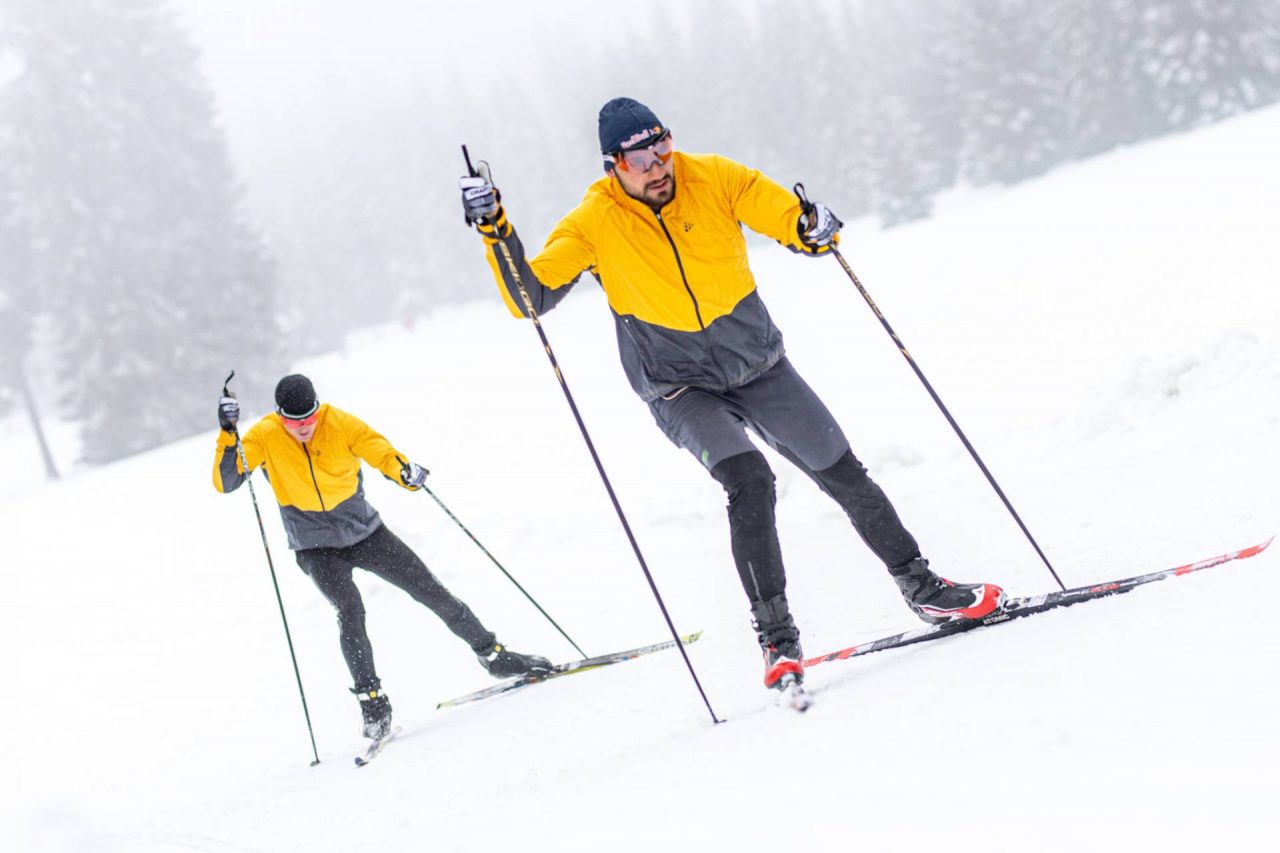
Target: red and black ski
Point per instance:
(1016, 608)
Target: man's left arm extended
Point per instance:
(768, 208)
(371, 446)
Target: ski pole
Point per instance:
(586, 437)
(501, 568)
(806, 206)
(248, 476)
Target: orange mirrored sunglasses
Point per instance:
(299, 423)
(644, 159)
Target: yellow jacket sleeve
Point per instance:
(762, 204)
(567, 253)
(766, 206)
(369, 444)
(228, 472)
(565, 256)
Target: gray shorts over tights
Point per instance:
(778, 405)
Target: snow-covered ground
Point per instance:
(1108, 336)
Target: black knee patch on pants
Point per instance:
(748, 482)
(745, 477)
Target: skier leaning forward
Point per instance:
(312, 454)
(662, 234)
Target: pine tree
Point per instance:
(1015, 119)
(128, 223)
(1091, 44)
(910, 139)
(19, 297)
(809, 122)
(1203, 59)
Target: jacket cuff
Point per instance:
(498, 229)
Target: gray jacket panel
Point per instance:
(732, 350)
(345, 524)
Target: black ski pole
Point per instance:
(501, 568)
(806, 205)
(586, 437)
(248, 476)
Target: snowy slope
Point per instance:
(1108, 336)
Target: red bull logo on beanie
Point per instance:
(640, 136)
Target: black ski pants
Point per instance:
(383, 554)
(781, 408)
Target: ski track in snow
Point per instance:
(1109, 338)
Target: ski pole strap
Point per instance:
(805, 204)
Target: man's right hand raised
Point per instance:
(480, 200)
(228, 412)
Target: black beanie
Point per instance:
(626, 123)
(295, 397)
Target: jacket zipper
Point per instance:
(697, 309)
(314, 482)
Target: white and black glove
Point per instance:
(228, 412)
(818, 227)
(480, 199)
(413, 475)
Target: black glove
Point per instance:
(413, 475)
(480, 200)
(818, 227)
(228, 412)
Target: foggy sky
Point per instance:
(284, 71)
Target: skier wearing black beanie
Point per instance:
(661, 231)
(311, 452)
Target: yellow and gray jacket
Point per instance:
(684, 300)
(318, 485)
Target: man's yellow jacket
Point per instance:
(319, 484)
(683, 297)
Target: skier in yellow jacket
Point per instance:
(662, 233)
(312, 452)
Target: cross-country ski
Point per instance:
(563, 669)
(1018, 607)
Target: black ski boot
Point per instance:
(376, 710)
(937, 600)
(501, 662)
(780, 641)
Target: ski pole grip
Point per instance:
(226, 392)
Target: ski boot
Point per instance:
(779, 641)
(783, 658)
(376, 710)
(501, 662)
(937, 600)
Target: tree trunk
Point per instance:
(29, 399)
